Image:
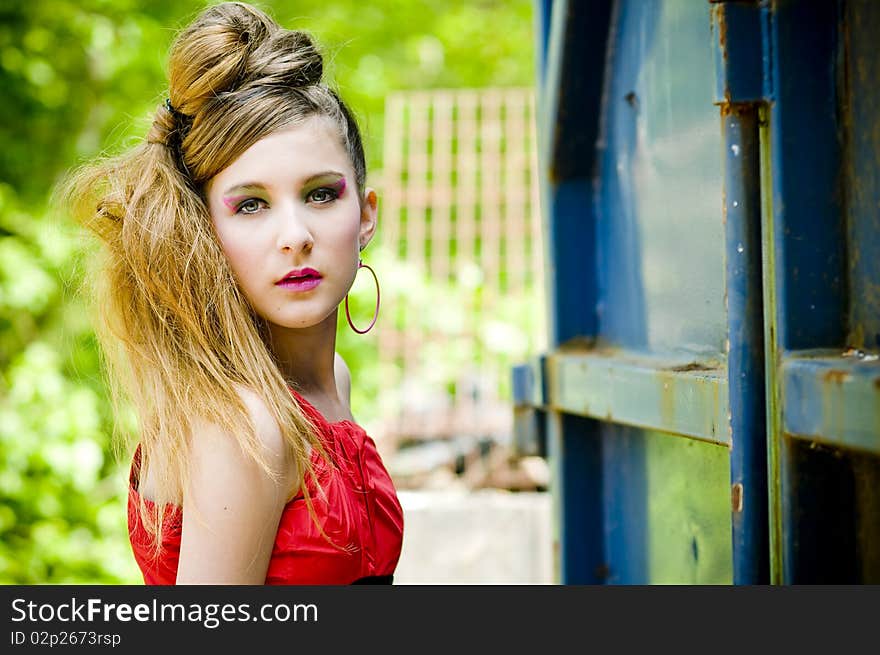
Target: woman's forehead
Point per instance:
(296, 151)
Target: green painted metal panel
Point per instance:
(688, 516)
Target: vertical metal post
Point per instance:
(739, 75)
(745, 356)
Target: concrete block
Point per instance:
(486, 536)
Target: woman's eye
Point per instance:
(250, 206)
(323, 195)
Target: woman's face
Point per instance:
(289, 219)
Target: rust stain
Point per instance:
(690, 366)
(578, 344)
(736, 497)
(731, 108)
(724, 216)
(813, 442)
(836, 376)
(718, 20)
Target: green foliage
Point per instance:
(447, 311)
(84, 77)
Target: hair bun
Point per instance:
(234, 46)
(211, 55)
(286, 58)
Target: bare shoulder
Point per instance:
(232, 506)
(209, 437)
(267, 428)
(343, 380)
(218, 452)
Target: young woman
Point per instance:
(232, 235)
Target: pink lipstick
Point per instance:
(300, 279)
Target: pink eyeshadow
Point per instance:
(232, 202)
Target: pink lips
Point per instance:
(300, 279)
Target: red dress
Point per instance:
(360, 513)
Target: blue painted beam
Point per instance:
(809, 221)
(575, 453)
(569, 106)
(861, 124)
(529, 412)
(568, 127)
(809, 279)
(737, 52)
(832, 399)
(684, 396)
(543, 16)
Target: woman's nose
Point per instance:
(294, 234)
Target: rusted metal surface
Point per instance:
(684, 398)
(859, 106)
(744, 279)
(736, 497)
(833, 399)
(738, 52)
(719, 24)
(806, 172)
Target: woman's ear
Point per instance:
(369, 214)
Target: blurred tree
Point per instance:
(82, 77)
(70, 71)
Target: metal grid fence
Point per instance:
(460, 213)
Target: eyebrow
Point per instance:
(248, 187)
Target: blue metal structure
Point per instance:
(711, 192)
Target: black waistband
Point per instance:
(375, 579)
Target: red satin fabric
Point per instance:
(360, 512)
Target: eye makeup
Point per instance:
(241, 193)
(339, 187)
(331, 181)
(232, 202)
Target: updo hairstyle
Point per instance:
(178, 337)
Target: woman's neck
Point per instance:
(306, 356)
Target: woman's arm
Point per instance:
(231, 507)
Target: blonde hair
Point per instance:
(177, 335)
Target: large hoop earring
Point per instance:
(376, 314)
